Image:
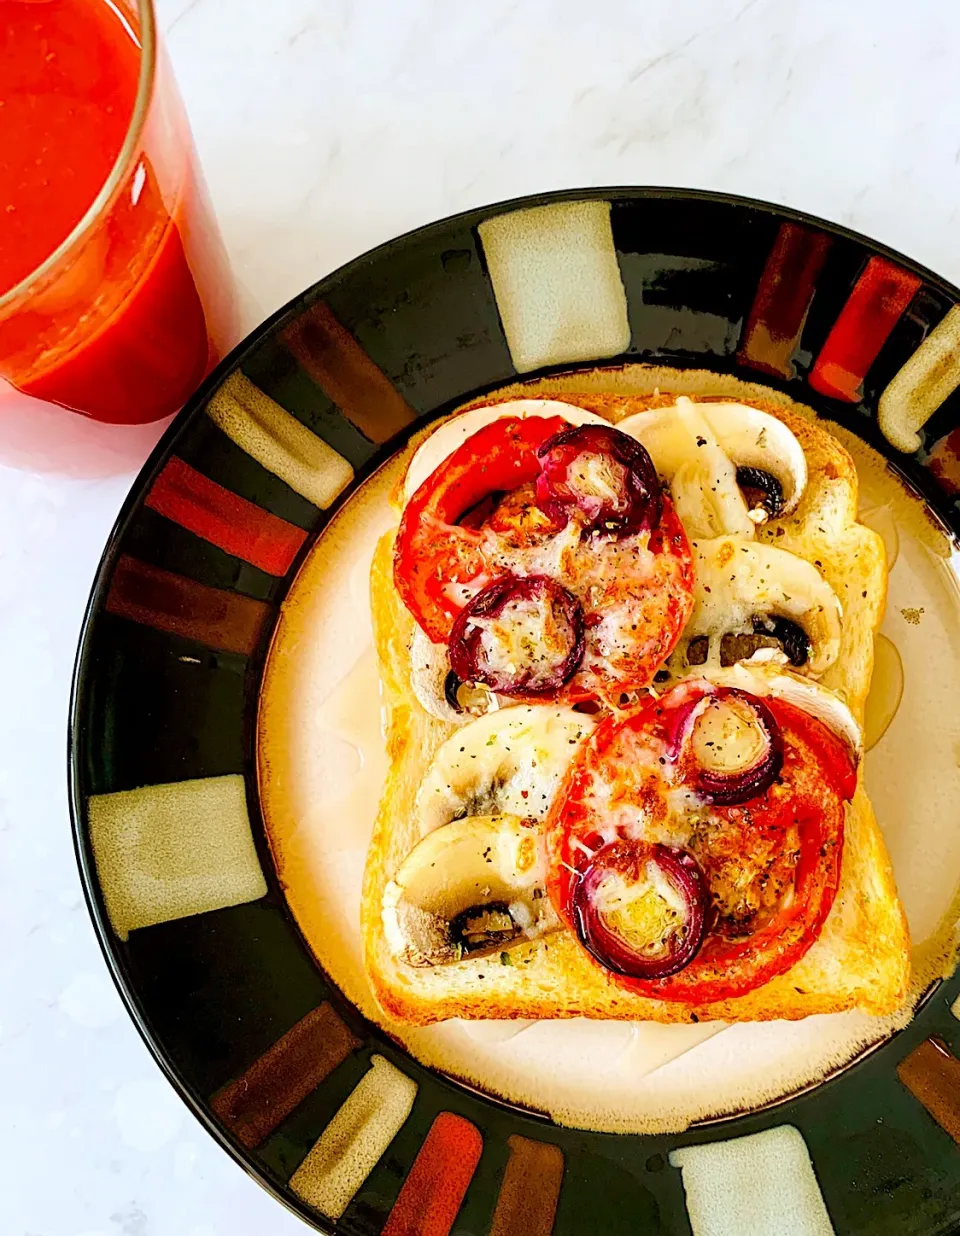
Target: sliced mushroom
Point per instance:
(708, 499)
(762, 493)
(452, 433)
(473, 887)
(769, 632)
(741, 587)
(755, 439)
(764, 452)
(509, 761)
(825, 705)
(690, 459)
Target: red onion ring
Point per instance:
(542, 677)
(679, 720)
(636, 508)
(720, 789)
(629, 859)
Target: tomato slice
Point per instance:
(439, 563)
(772, 864)
(636, 591)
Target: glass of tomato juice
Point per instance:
(115, 293)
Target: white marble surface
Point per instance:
(327, 126)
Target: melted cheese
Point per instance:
(508, 761)
(551, 556)
(704, 488)
(598, 477)
(525, 635)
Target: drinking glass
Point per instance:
(134, 307)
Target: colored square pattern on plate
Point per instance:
(291, 449)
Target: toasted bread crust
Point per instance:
(861, 959)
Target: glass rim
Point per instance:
(131, 142)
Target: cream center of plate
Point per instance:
(322, 766)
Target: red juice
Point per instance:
(128, 320)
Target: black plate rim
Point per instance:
(158, 456)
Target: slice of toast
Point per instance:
(861, 959)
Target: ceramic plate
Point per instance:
(231, 932)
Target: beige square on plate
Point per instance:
(557, 282)
(169, 851)
(355, 1139)
(278, 441)
(761, 1185)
